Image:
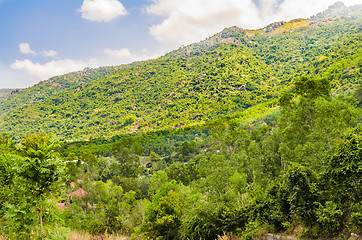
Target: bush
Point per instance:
(356, 215)
(328, 217)
(210, 220)
(300, 184)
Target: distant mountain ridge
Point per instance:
(220, 76)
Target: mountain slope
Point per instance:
(20, 97)
(223, 75)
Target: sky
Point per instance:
(44, 38)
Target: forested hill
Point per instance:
(12, 99)
(220, 76)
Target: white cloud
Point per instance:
(51, 68)
(62, 66)
(102, 10)
(49, 53)
(24, 48)
(189, 21)
(123, 53)
(123, 56)
(11, 78)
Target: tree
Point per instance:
(311, 121)
(7, 175)
(311, 88)
(40, 168)
(127, 152)
(358, 95)
(6, 144)
(344, 170)
(163, 215)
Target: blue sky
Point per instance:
(43, 38)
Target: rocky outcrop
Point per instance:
(277, 237)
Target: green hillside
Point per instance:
(20, 97)
(220, 76)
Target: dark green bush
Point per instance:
(328, 217)
(356, 214)
(212, 220)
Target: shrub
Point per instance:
(328, 217)
(356, 214)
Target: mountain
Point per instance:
(20, 97)
(223, 75)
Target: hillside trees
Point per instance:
(204, 81)
(311, 121)
(343, 182)
(127, 151)
(301, 170)
(107, 207)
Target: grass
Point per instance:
(80, 235)
(288, 26)
(229, 236)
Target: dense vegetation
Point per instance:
(12, 99)
(245, 133)
(302, 175)
(221, 76)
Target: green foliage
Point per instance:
(13, 99)
(126, 152)
(358, 95)
(329, 217)
(21, 219)
(210, 220)
(41, 167)
(7, 174)
(106, 206)
(28, 181)
(163, 216)
(300, 183)
(154, 156)
(310, 123)
(356, 215)
(311, 88)
(129, 120)
(344, 171)
(6, 144)
(89, 222)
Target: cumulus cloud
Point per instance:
(188, 21)
(122, 53)
(24, 48)
(49, 53)
(102, 10)
(60, 66)
(11, 78)
(51, 68)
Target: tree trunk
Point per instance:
(41, 217)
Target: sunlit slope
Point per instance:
(16, 98)
(223, 75)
